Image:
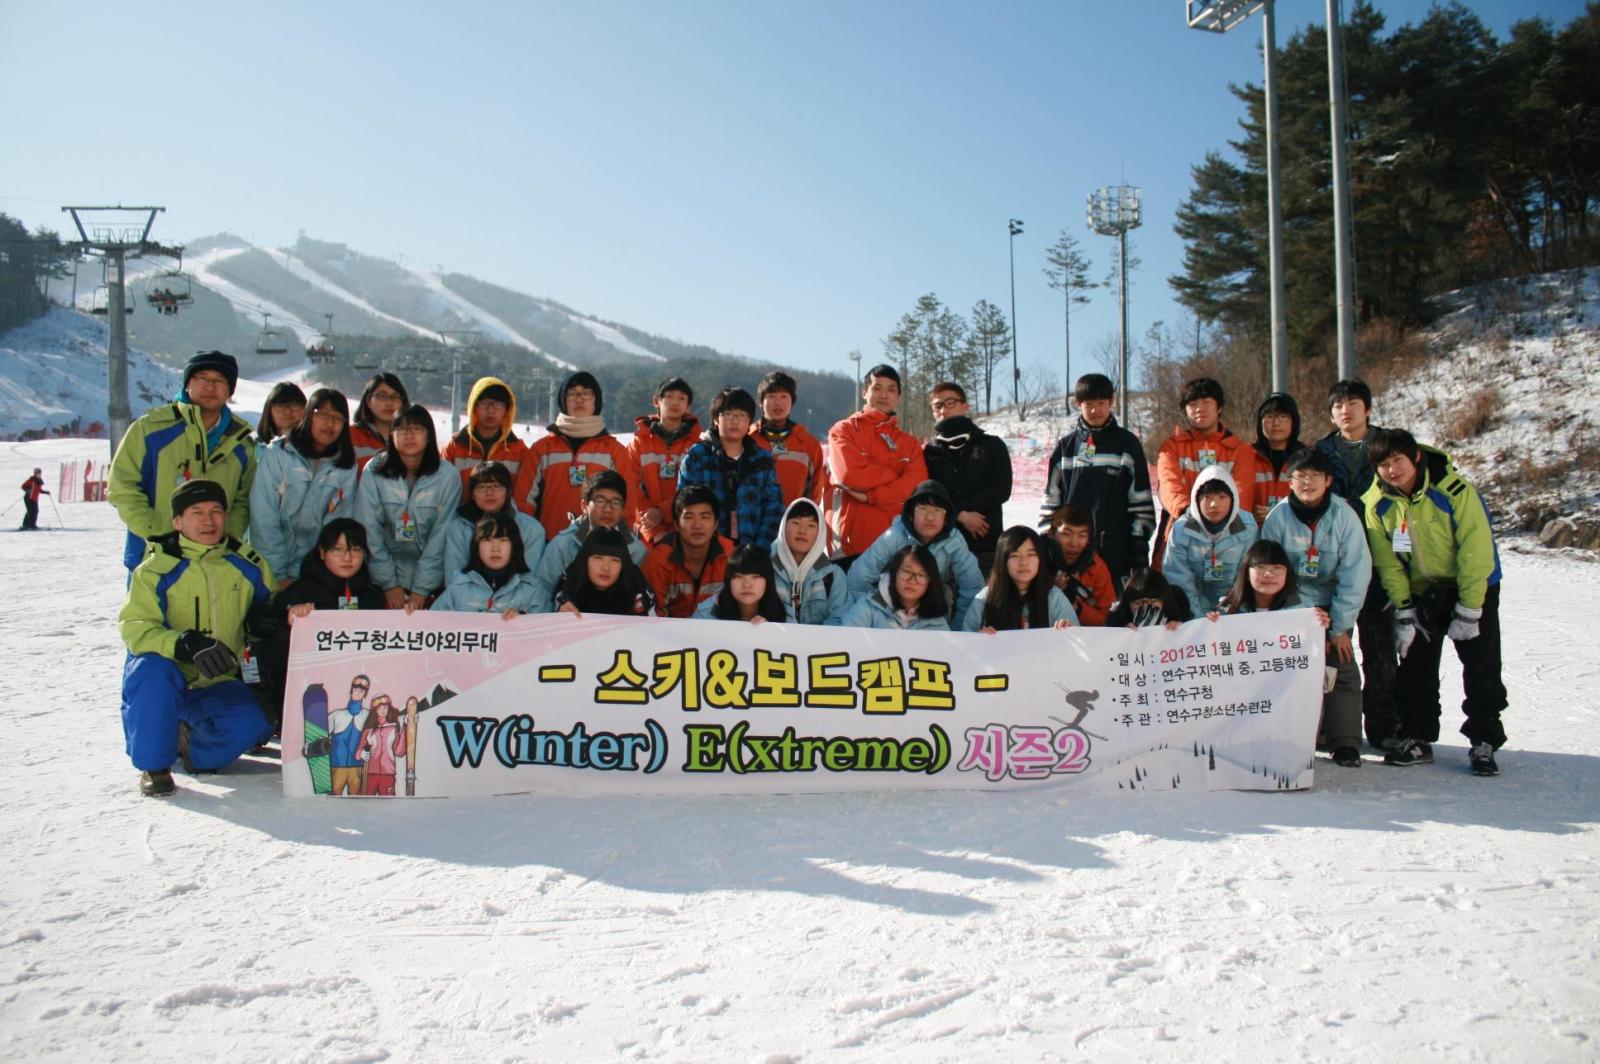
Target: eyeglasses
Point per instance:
(329, 417)
(605, 502)
(346, 552)
(579, 393)
(940, 404)
(1271, 570)
(914, 576)
(1276, 417)
(1306, 479)
(928, 511)
(408, 429)
(490, 404)
(384, 397)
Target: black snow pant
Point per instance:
(1375, 632)
(30, 512)
(1417, 682)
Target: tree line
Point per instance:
(26, 259)
(1470, 159)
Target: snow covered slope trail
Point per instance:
(1418, 914)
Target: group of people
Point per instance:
(235, 532)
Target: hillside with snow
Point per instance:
(53, 377)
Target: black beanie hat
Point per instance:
(192, 492)
(221, 362)
(582, 379)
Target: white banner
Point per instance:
(468, 704)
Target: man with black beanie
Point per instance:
(194, 437)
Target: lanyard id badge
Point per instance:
(577, 474)
(405, 530)
(1214, 567)
(1402, 538)
(249, 667)
(1208, 457)
(1088, 448)
(1311, 564)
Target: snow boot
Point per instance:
(1410, 752)
(1481, 758)
(156, 783)
(1347, 757)
(183, 752)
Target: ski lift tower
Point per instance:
(467, 343)
(1220, 16)
(1113, 211)
(117, 234)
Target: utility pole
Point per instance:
(1113, 211)
(1014, 226)
(117, 234)
(1220, 16)
(1343, 254)
(855, 406)
(466, 345)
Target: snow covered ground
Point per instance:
(1418, 914)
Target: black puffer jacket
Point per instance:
(975, 468)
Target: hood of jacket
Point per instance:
(1210, 473)
(651, 423)
(797, 568)
(478, 388)
(929, 491)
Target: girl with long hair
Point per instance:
(909, 595)
(382, 400)
(749, 591)
(1147, 600)
(1020, 592)
(304, 480)
(285, 406)
(405, 499)
(604, 578)
(496, 579)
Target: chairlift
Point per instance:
(321, 349)
(100, 305)
(166, 292)
(271, 341)
(366, 360)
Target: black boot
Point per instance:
(156, 783)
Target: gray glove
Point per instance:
(1405, 632)
(1464, 624)
(211, 657)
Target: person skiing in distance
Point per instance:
(32, 488)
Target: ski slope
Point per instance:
(1389, 914)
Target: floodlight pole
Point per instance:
(1014, 226)
(116, 243)
(1112, 212)
(1343, 254)
(855, 403)
(1220, 16)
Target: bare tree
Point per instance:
(1037, 386)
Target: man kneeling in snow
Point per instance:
(183, 622)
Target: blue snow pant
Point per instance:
(224, 719)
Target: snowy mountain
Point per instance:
(53, 377)
(240, 289)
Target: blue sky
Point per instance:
(776, 180)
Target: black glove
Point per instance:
(212, 658)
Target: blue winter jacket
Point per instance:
(957, 567)
(458, 543)
(290, 501)
(751, 492)
(405, 525)
(874, 611)
(1337, 574)
(558, 555)
(824, 593)
(1060, 610)
(469, 592)
(1203, 564)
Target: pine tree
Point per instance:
(1068, 273)
(991, 342)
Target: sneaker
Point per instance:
(156, 784)
(1481, 758)
(1347, 757)
(1410, 752)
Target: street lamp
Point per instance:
(1113, 211)
(1014, 227)
(1220, 16)
(855, 356)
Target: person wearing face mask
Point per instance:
(496, 579)
(572, 450)
(196, 437)
(306, 479)
(974, 467)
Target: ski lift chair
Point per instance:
(271, 341)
